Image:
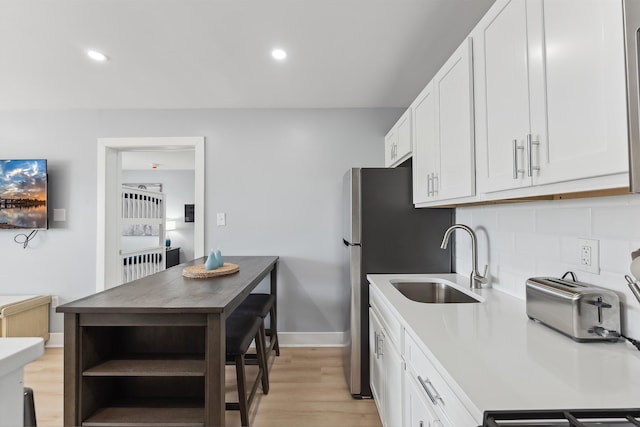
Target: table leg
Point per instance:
(274, 318)
(215, 360)
(72, 371)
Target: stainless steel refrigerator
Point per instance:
(384, 233)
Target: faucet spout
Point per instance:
(476, 279)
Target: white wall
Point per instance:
(276, 173)
(531, 239)
(178, 186)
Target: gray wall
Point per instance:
(276, 173)
(178, 186)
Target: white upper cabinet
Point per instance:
(502, 84)
(398, 142)
(550, 92)
(390, 143)
(454, 109)
(426, 150)
(443, 134)
(585, 90)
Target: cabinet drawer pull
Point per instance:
(436, 184)
(530, 144)
(433, 397)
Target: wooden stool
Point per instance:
(241, 329)
(262, 305)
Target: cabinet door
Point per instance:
(418, 410)
(390, 143)
(376, 365)
(455, 125)
(393, 384)
(425, 145)
(585, 90)
(404, 148)
(503, 94)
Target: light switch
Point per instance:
(221, 218)
(60, 215)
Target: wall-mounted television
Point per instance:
(23, 194)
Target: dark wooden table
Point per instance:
(152, 351)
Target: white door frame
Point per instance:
(109, 162)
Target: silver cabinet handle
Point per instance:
(530, 144)
(435, 396)
(431, 189)
(516, 148)
(436, 183)
(375, 344)
(380, 344)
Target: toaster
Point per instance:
(578, 310)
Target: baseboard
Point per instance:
(56, 339)
(311, 339)
(287, 339)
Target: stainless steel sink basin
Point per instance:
(432, 292)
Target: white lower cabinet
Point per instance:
(419, 411)
(407, 388)
(376, 365)
(446, 404)
(386, 372)
(393, 368)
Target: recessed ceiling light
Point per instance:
(279, 54)
(96, 56)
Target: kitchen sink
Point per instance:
(432, 292)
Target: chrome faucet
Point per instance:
(476, 279)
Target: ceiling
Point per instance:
(216, 53)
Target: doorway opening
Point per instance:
(110, 161)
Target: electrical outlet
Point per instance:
(55, 301)
(221, 218)
(585, 255)
(588, 256)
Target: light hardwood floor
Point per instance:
(307, 387)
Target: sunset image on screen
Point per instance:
(23, 193)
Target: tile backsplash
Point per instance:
(522, 240)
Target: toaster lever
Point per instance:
(600, 305)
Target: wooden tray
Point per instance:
(199, 272)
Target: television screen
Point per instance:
(23, 194)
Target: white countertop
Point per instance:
(497, 358)
(17, 352)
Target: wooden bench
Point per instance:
(24, 316)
